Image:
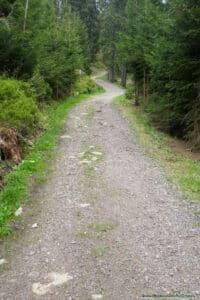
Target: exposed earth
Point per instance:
(107, 224)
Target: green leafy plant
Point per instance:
(18, 108)
(84, 85)
(130, 93)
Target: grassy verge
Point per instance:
(36, 163)
(181, 169)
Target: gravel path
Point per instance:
(107, 224)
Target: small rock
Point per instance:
(30, 143)
(97, 297)
(84, 205)
(97, 153)
(66, 137)
(3, 261)
(19, 211)
(34, 274)
(43, 249)
(94, 158)
(40, 289)
(59, 279)
(34, 225)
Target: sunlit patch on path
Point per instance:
(3, 261)
(56, 279)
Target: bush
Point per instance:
(85, 85)
(129, 93)
(18, 108)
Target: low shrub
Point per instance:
(129, 93)
(18, 108)
(85, 85)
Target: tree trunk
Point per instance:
(25, 15)
(136, 94)
(111, 75)
(123, 76)
(144, 85)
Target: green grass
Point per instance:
(101, 227)
(79, 214)
(35, 164)
(89, 172)
(97, 228)
(180, 168)
(83, 235)
(98, 90)
(94, 152)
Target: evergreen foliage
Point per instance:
(43, 45)
(43, 42)
(88, 12)
(159, 43)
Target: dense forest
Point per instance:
(158, 43)
(45, 44)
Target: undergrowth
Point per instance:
(180, 168)
(35, 164)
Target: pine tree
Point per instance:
(89, 14)
(112, 19)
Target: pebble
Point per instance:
(34, 225)
(97, 153)
(97, 297)
(43, 249)
(3, 261)
(19, 211)
(66, 137)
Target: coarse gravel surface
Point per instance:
(107, 224)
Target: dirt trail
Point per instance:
(107, 224)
